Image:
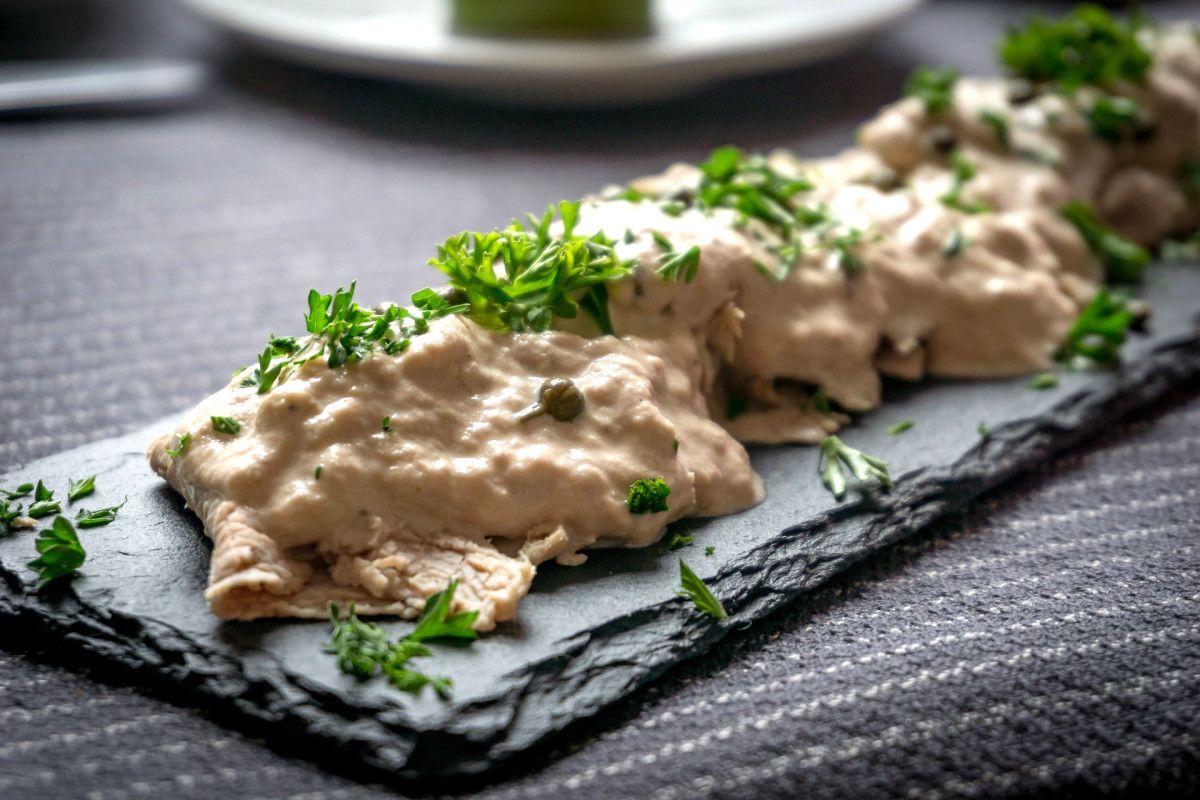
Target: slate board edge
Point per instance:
(598, 667)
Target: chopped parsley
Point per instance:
(648, 496)
(94, 519)
(708, 551)
(676, 266)
(837, 458)
(1098, 331)
(932, 86)
(693, 587)
(520, 279)
(318, 472)
(80, 488)
(680, 540)
(900, 427)
(387, 424)
(436, 621)
(59, 553)
(363, 648)
(999, 124)
(984, 431)
(1046, 380)
(1113, 118)
(227, 425)
(962, 170)
(177, 450)
(1124, 261)
(1085, 47)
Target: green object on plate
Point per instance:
(553, 18)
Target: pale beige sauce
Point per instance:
(461, 488)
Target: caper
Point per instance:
(1021, 91)
(558, 397)
(452, 295)
(942, 139)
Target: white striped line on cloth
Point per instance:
(1101, 510)
(123, 758)
(1044, 772)
(1109, 479)
(10, 749)
(809, 757)
(29, 714)
(922, 678)
(877, 655)
(838, 699)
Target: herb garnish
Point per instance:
(94, 519)
(932, 86)
(387, 424)
(177, 450)
(693, 587)
(708, 551)
(227, 425)
(44, 503)
(320, 470)
(80, 488)
(59, 553)
(984, 431)
(679, 540)
(1113, 118)
(897, 428)
(1085, 47)
(648, 496)
(837, 457)
(519, 279)
(1098, 331)
(1123, 260)
(962, 170)
(1046, 380)
(675, 265)
(363, 648)
(999, 124)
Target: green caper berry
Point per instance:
(558, 397)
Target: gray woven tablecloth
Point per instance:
(1046, 643)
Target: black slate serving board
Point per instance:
(586, 636)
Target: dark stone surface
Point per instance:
(587, 636)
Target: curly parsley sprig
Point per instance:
(364, 649)
(522, 277)
(837, 459)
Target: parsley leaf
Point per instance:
(676, 265)
(836, 458)
(679, 540)
(1085, 47)
(60, 553)
(227, 425)
(1113, 118)
(176, 451)
(520, 279)
(648, 496)
(21, 491)
(984, 431)
(387, 424)
(80, 488)
(44, 503)
(1098, 331)
(932, 86)
(900, 427)
(693, 587)
(436, 621)
(999, 124)
(962, 170)
(708, 551)
(1046, 380)
(1123, 260)
(94, 519)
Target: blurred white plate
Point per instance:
(696, 42)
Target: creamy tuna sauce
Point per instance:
(379, 481)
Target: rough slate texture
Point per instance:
(1077, 631)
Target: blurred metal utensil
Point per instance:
(102, 85)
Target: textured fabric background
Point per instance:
(1046, 643)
